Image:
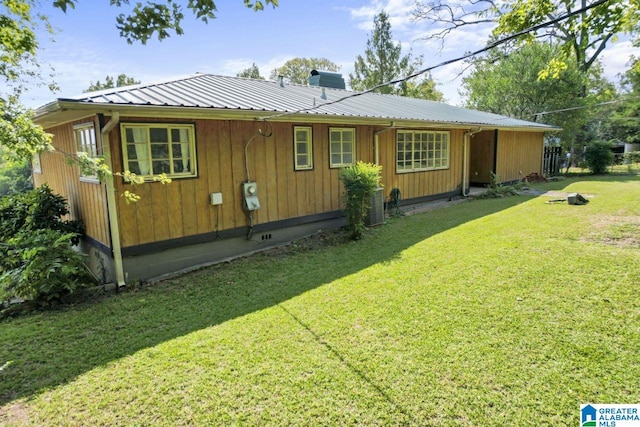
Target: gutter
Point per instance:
(465, 163)
(114, 226)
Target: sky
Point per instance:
(87, 47)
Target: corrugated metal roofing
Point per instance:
(235, 93)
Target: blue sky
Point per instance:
(87, 46)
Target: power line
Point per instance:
(616, 101)
(451, 61)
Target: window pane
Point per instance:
(347, 136)
(158, 135)
(335, 147)
(334, 136)
(161, 166)
(346, 147)
(335, 159)
(302, 148)
(133, 167)
(159, 151)
(348, 158)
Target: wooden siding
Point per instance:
(182, 208)
(87, 200)
(519, 154)
(420, 184)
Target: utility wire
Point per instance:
(451, 61)
(616, 101)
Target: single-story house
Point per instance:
(254, 163)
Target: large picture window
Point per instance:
(153, 149)
(341, 147)
(85, 140)
(303, 147)
(422, 150)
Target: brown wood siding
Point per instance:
(87, 200)
(420, 184)
(519, 154)
(182, 208)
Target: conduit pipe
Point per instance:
(465, 163)
(114, 225)
(376, 142)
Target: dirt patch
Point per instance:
(14, 413)
(620, 231)
(321, 239)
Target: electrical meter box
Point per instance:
(250, 196)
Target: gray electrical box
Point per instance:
(250, 196)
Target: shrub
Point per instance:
(598, 156)
(41, 266)
(37, 258)
(360, 183)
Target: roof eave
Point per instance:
(63, 111)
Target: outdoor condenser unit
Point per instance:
(376, 212)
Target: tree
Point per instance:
(625, 120)
(252, 72)
(161, 17)
(506, 82)
(122, 80)
(582, 37)
(383, 62)
(297, 70)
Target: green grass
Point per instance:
(493, 312)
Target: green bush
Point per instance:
(37, 258)
(360, 183)
(15, 178)
(41, 266)
(598, 157)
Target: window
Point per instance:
(422, 150)
(303, 147)
(36, 165)
(341, 147)
(85, 139)
(153, 149)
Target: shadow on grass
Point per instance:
(49, 349)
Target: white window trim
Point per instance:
(353, 148)
(308, 130)
(79, 130)
(423, 169)
(190, 128)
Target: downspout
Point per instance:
(376, 142)
(465, 165)
(111, 200)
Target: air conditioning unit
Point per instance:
(376, 212)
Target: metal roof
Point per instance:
(213, 92)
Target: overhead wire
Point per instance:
(490, 46)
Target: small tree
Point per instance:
(360, 183)
(598, 156)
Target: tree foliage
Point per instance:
(625, 120)
(252, 72)
(297, 70)
(506, 81)
(581, 37)
(162, 17)
(383, 62)
(121, 80)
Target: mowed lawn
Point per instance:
(490, 312)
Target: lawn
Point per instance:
(491, 312)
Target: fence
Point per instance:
(552, 161)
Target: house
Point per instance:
(254, 163)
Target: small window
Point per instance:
(303, 147)
(85, 139)
(154, 149)
(36, 165)
(422, 151)
(341, 147)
